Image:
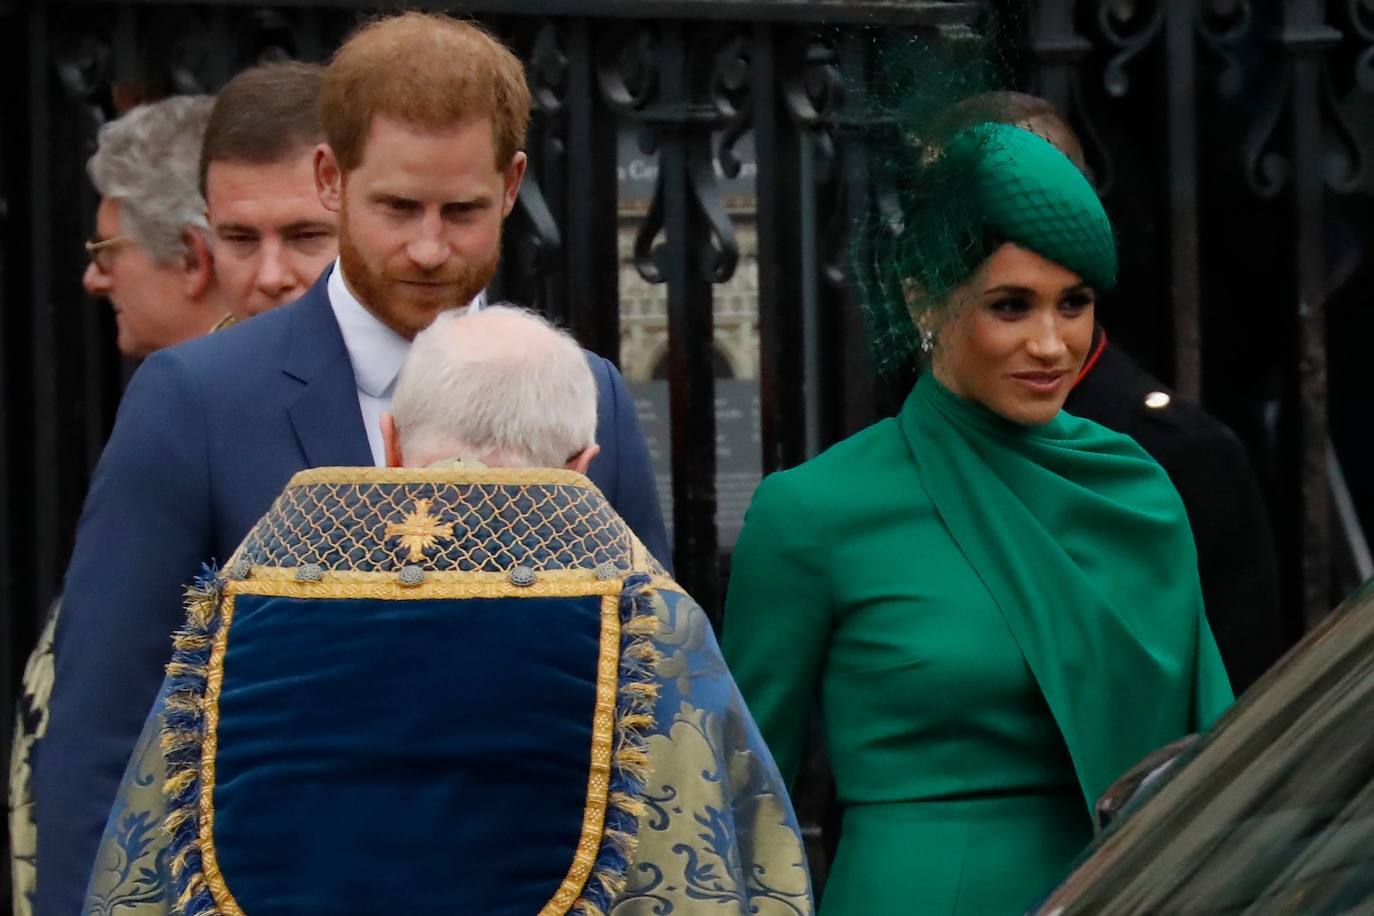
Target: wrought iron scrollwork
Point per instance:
(1267, 170)
(714, 98)
(1130, 31)
(547, 66)
(1223, 26)
(265, 36)
(190, 55)
(1359, 16)
(813, 93)
(731, 98)
(82, 62)
(812, 88)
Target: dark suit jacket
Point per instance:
(1212, 472)
(207, 435)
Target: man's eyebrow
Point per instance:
(301, 225)
(470, 203)
(235, 227)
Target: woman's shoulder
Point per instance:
(844, 472)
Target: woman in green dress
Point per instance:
(995, 604)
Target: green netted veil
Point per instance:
(952, 183)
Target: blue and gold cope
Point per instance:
(453, 690)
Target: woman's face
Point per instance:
(1017, 336)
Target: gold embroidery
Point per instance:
(497, 521)
(384, 587)
(599, 778)
(209, 745)
(420, 530)
(561, 577)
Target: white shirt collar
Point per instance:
(375, 350)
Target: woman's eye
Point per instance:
(1077, 303)
(1010, 306)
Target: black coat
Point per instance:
(1209, 466)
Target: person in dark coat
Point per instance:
(1209, 467)
(1204, 459)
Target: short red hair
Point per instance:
(427, 71)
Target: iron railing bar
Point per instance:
(1306, 39)
(1346, 515)
(1181, 54)
(45, 494)
(592, 260)
(783, 267)
(903, 13)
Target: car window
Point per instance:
(1275, 811)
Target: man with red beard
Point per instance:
(424, 118)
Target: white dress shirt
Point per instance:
(376, 352)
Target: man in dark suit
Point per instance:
(422, 172)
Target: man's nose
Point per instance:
(96, 281)
(428, 249)
(275, 274)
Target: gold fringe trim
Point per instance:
(185, 701)
(174, 741)
(190, 642)
(194, 886)
(643, 625)
(200, 610)
(178, 783)
(177, 863)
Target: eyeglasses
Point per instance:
(100, 251)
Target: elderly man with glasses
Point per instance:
(150, 256)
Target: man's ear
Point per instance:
(198, 266)
(583, 459)
(391, 442)
(515, 173)
(328, 178)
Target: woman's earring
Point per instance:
(927, 340)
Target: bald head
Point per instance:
(502, 386)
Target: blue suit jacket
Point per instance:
(207, 435)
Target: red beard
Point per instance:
(404, 308)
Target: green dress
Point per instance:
(996, 621)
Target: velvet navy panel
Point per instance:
(403, 756)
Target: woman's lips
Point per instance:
(1040, 382)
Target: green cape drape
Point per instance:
(1084, 545)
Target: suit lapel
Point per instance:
(326, 416)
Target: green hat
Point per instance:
(1031, 194)
(951, 185)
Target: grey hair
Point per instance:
(502, 385)
(149, 161)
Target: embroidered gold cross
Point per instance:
(420, 530)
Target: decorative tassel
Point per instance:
(181, 739)
(630, 763)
